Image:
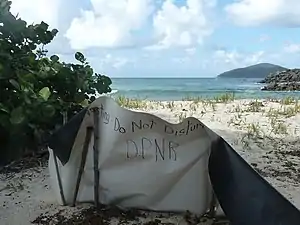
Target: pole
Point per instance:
(88, 136)
(96, 156)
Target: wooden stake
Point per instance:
(61, 191)
(88, 135)
(96, 156)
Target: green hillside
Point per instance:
(260, 70)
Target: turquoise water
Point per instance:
(179, 88)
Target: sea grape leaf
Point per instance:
(45, 93)
(80, 57)
(54, 58)
(48, 110)
(3, 108)
(14, 83)
(17, 116)
(79, 97)
(84, 103)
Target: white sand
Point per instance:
(264, 138)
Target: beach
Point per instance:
(264, 132)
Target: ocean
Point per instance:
(181, 88)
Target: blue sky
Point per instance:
(170, 38)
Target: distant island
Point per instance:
(260, 70)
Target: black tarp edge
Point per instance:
(62, 141)
(245, 197)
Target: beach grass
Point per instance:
(255, 118)
(133, 103)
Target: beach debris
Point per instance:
(106, 215)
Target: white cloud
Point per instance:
(35, 11)
(109, 24)
(112, 61)
(182, 26)
(114, 23)
(292, 48)
(233, 59)
(264, 12)
(120, 62)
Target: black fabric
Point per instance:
(245, 197)
(61, 142)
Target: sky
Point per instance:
(170, 38)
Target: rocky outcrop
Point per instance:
(292, 86)
(288, 80)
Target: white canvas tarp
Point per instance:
(144, 162)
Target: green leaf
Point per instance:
(32, 126)
(14, 83)
(29, 78)
(54, 58)
(48, 110)
(5, 5)
(80, 57)
(45, 93)
(17, 116)
(54, 32)
(79, 97)
(44, 26)
(22, 23)
(27, 100)
(3, 108)
(84, 103)
(89, 70)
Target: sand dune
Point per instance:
(265, 133)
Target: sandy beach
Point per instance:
(264, 132)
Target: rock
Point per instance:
(256, 103)
(288, 80)
(290, 86)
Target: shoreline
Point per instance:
(274, 96)
(265, 133)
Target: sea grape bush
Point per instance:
(36, 90)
